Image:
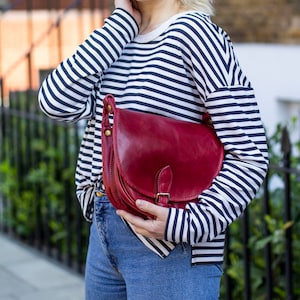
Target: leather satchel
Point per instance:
(155, 158)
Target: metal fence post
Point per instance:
(286, 150)
(227, 279)
(267, 250)
(246, 254)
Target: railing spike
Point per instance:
(285, 141)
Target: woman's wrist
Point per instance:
(130, 9)
(123, 24)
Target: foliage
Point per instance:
(277, 231)
(39, 205)
(37, 191)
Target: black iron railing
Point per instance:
(39, 206)
(38, 158)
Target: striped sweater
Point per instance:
(182, 69)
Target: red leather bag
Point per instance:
(162, 160)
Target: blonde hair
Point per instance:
(205, 6)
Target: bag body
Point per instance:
(155, 158)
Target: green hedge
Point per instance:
(38, 160)
(277, 232)
(39, 203)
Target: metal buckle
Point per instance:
(162, 194)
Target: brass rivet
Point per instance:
(99, 194)
(107, 132)
(109, 108)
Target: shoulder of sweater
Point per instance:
(198, 22)
(193, 17)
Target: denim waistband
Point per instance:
(101, 197)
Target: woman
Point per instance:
(166, 57)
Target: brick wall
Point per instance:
(271, 21)
(260, 21)
(58, 4)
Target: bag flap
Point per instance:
(145, 143)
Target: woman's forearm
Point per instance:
(68, 93)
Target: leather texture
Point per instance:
(162, 160)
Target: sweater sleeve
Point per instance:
(230, 101)
(68, 93)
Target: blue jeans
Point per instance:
(120, 267)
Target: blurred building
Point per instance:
(266, 35)
(36, 34)
(265, 21)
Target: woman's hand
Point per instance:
(148, 228)
(130, 8)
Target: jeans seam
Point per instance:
(101, 227)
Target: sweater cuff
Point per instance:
(177, 226)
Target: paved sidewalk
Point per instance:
(26, 274)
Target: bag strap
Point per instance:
(164, 178)
(109, 107)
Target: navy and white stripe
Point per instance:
(187, 68)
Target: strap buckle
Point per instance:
(162, 194)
